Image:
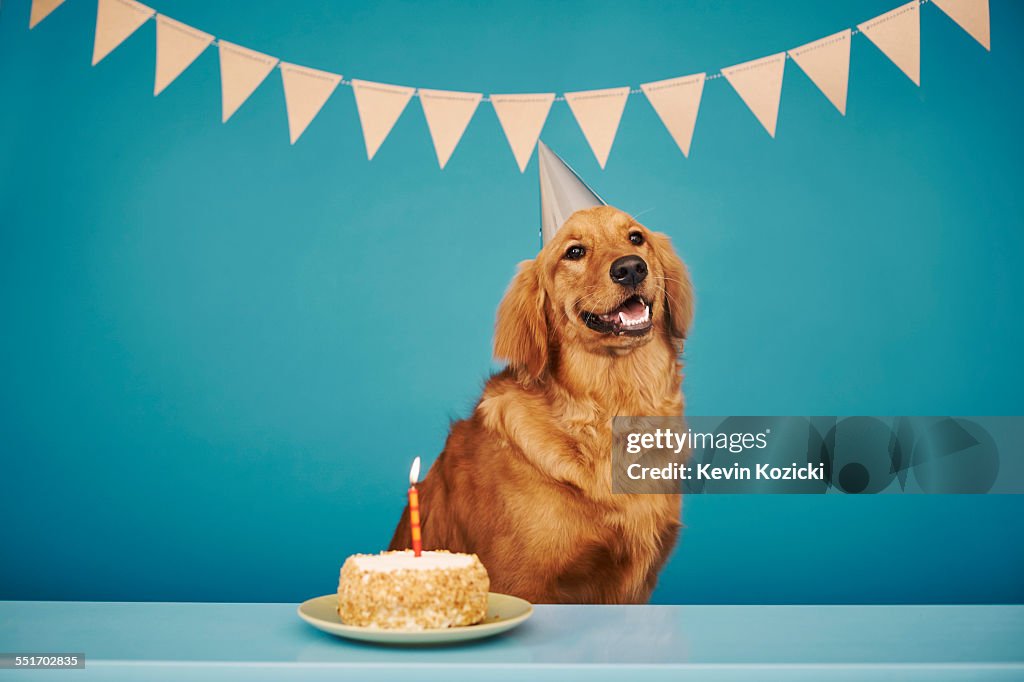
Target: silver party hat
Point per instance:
(562, 192)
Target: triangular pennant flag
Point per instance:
(447, 113)
(115, 21)
(241, 72)
(177, 46)
(759, 85)
(522, 118)
(41, 9)
(827, 63)
(379, 106)
(598, 113)
(676, 102)
(305, 93)
(898, 34)
(971, 15)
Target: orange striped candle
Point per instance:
(414, 508)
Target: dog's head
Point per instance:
(604, 283)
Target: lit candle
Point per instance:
(414, 508)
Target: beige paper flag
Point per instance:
(241, 72)
(522, 118)
(827, 63)
(897, 33)
(379, 106)
(41, 9)
(115, 21)
(677, 101)
(598, 113)
(305, 93)
(972, 15)
(759, 84)
(447, 113)
(177, 46)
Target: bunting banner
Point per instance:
(177, 46)
(759, 84)
(522, 118)
(115, 21)
(598, 113)
(676, 101)
(898, 35)
(827, 63)
(241, 72)
(379, 106)
(971, 15)
(40, 10)
(447, 114)
(306, 91)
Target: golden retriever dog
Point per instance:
(592, 328)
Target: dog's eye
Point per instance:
(575, 252)
(636, 237)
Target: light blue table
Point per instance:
(170, 641)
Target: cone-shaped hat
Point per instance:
(562, 192)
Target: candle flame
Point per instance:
(414, 472)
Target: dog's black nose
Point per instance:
(628, 271)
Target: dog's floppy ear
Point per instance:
(679, 300)
(521, 331)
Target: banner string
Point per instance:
(561, 98)
(598, 112)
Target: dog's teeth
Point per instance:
(622, 318)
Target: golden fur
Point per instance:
(525, 481)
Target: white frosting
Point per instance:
(405, 561)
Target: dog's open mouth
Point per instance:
(631, 318)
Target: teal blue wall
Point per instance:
(219, 353)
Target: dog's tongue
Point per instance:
(631, 309)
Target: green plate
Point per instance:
(504, 612)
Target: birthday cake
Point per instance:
(398, 590)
